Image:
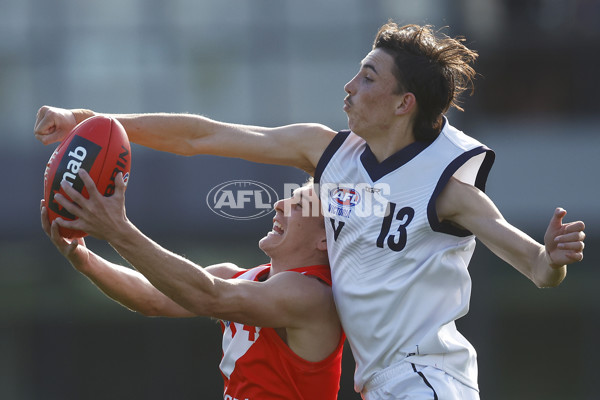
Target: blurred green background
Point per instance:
(269, 62)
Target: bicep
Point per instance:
(298, 145)
(170, 308)
(287, 300)
(223, 270)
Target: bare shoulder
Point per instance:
(286, 299)
(456, 197)
(303, 282)
(468, 207)
(304, 294)
(310, 139)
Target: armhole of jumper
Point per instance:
(331, 149)
(479, 181)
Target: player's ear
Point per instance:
(406, 103)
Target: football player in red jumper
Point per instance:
(281, 333)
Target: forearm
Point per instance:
(173, 133)
(472, 209)
(129, 288)
(297, 145)
(525, 254)
(179, 279)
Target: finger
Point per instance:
(54, 231)
(58, 240)
(89, 183)
(42, 111)
(120, 185)
(559, 214)
(39, 116)
(46, 125)
(575, 256)
(64, 246)
(67, 224)
(573, 246)
(570, 237)
(73, 194)
(44, 218)
(70, 206)
(72, 246)
(577, 226)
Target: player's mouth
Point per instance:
(277, 228)
(347, 103)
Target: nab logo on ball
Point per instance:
(98, 145)
(81, 153)
(241, 199)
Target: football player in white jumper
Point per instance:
(403, 197)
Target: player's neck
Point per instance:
(387, 140)
(385, 145)
(281, 264)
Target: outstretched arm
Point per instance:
(545, 265)
(298, 145)
(124, 285)
(287, 299)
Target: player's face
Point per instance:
(372, 99)
(297, 227)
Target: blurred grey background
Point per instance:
(269, 62)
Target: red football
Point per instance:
(101, 147)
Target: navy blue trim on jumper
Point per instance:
(332, 147)
(480, 181)
(485, 169)
(378, 170)
(422, 375)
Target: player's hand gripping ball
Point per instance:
(101, 147)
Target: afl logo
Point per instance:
(241, 200)
(344, 197)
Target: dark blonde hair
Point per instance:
(432, 66)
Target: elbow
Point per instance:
(224, 307)
(150, 310)
(188, 149)
(547, 285)
(204, 306)
(552, 280)
(201, 310)
(148, 313)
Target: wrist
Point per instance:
(546, 273)
(126, 235)
(81, 114)
(553, 265)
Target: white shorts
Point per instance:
(406, 381)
